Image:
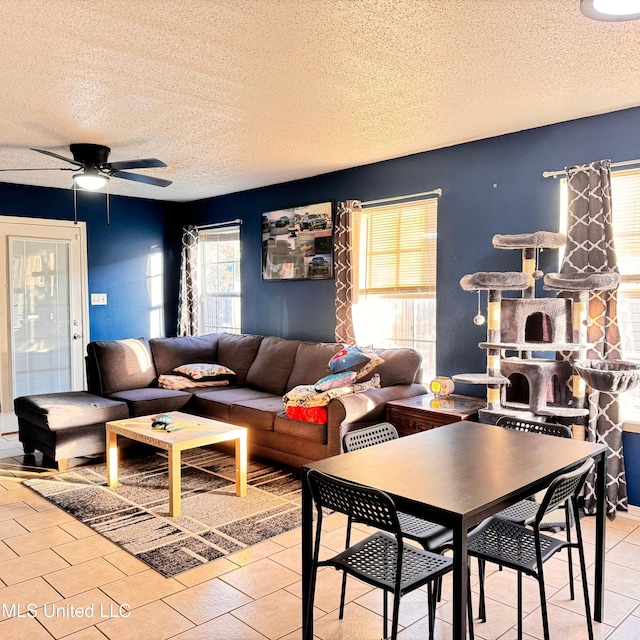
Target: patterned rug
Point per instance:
(214, 522)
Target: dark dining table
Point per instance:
(458, 475)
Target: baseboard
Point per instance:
(633, 513)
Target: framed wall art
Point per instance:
(297, 243)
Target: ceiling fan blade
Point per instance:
(43, 169)
(55, 155)
(146, 163)
(136, 177)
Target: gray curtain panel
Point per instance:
(590, 248)
(342, 252)
(188, 302)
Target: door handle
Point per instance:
(76, 336)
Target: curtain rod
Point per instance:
(219, 224)
(435, 192)
(555, 174)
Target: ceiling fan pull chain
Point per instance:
(108, 209)
(75, 204)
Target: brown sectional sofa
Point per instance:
(124, 374)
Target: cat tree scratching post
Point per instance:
(494, 284)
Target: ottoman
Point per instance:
(66, 425)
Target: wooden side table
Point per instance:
(425, 412)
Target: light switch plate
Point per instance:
(98, 298)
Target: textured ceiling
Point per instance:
(238, 94)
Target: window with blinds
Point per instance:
(219, 280)
(625, 215)
(396, 275)
(625, 205)
(625, 198)
(400, 249)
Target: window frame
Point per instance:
(204, 296)
(414, 304)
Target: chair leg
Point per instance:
(396, 614)
(432, 590)
(312, 594)
(343, 590)
(567, 513)
(470, 608)
(543, 603)
(385, 614)
(583, 570)
(482, 609)
(519, 605)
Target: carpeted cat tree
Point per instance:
(520, 384)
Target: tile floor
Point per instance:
(82, 587)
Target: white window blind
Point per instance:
(625, 201)
(400, 249)
(625, 194)
(396, 274)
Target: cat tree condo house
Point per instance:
(521, 383)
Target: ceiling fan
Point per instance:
(95, 170)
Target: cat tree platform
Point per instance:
(610, 376)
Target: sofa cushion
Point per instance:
(117, 365)
(297, 428)
(400, 366)
(57, 411)
(142, 402)
(259, 413)
(169, 353)
(217, 404)
(238, 351)
(272, 365)
(311, 362)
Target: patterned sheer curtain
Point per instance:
(188, 301)
(344, 250)
(590, 248)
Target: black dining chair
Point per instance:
(429, 535)
(524, 512)
(526, 549)
(383, 559)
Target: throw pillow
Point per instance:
(373, 383)
(176, 383)
(348, 359)
(374, 362)
(335, 380)
(203, 371)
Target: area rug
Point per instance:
(214, 522)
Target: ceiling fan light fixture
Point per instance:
(90, 179)
(611, 10)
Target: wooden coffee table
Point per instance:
(194, 432)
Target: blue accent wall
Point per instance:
(489, 186)
(117, 255)
(631, 448)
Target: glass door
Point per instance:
(43, 311)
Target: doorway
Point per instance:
(43, 311)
